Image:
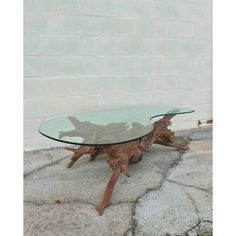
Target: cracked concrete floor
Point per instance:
(168, 193)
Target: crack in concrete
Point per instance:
(189, 185)
(82, 201)
(134, 222)
(208, 221)
(85, 202)
(74, 201)
(196, 155)
(134, 202)
(198, 225)
(192, 201)
(44, 166)
(194, 226)
(44, 149)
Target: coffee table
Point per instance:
(123, 134)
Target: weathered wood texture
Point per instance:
(128, 153)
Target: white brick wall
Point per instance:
(97, 54)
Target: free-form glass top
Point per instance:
(106, 127)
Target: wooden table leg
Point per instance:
(161, 134)
(78, 152)
(127, 153)
(108, 192)
(120, 154)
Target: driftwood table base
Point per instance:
(128, 153)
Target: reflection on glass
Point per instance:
(106, 127)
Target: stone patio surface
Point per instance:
(169, 193)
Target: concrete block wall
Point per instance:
(87, 55)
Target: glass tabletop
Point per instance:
(106, 127)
